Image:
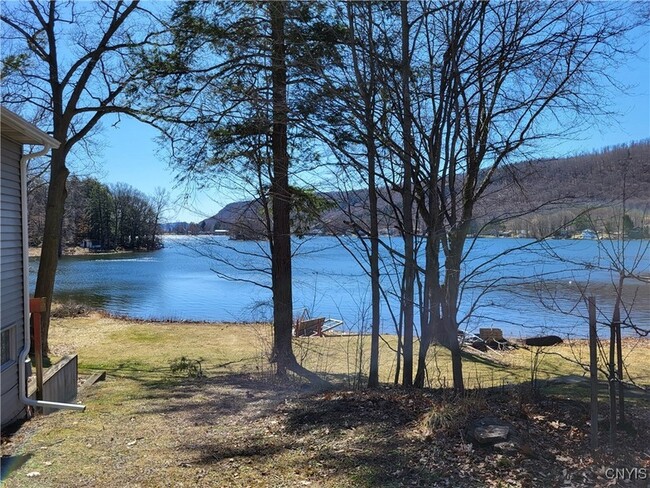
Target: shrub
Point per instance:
(187, 366)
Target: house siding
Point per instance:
(11, 274)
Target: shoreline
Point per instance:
(518, 341)
(35, 252)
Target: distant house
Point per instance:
(589, 234)
(91, 244)
(14, 305)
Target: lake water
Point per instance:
(524, 292)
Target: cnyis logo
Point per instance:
(627, 474)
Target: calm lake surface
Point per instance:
(526, 291)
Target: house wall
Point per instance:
(11, 276)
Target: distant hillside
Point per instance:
(555, 191)
(591, 179)
(175, 227)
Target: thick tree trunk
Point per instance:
(280, 197)
(426, 336)
(49, 259)
(448, 332)
(430, 312)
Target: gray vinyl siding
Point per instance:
(11, 273)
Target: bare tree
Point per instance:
(69, 87)
(505, 68)
(366, 84)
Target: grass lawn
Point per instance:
(236, 426)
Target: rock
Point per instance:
(491, 434)
(506, 447)
(490, 431)
(543, 341)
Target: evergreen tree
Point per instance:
(234, 78)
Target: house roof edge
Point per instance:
(14, 125)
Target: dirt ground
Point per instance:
(241, 430)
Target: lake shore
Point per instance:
(35, 252)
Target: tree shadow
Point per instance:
(9, 464)
(226, 394)
(255, 449)
(251, 424)
(469, 358)
(360, 433)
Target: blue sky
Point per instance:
(131, 154)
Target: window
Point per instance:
(6, 345)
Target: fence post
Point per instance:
(612, 383)
(36, 307)
(593, 370)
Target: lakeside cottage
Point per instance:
(589, 234)
(14, 305)
(91, 244)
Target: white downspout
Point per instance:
(22, 382)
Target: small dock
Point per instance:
(319, 326)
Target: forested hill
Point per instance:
(533, 196)
(594, 179)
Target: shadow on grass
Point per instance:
(254, 450)
(470, 358)
(9, 464)
(251, 424)
(358, 433)
(372, 424)
(227, 394)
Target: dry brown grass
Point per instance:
(148, 347)
(239, 427)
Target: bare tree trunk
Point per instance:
(61, 95)
(373, 376)
(398, 351)
(49, 259)
(612, 384)
(448, 333)
(367, 89)
(408, 284)
(430, 311)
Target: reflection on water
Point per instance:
(214, 279)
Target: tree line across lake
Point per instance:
(99, 216)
